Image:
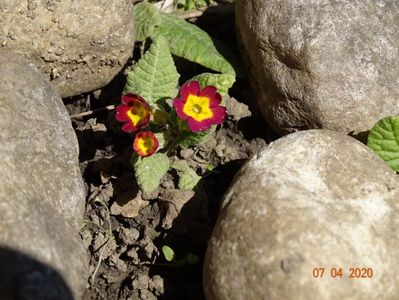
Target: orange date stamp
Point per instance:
(338, 272)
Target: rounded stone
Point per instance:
(80, 45)
(42, 195)
(322, 64)
(313, 199)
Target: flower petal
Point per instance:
(194, 88)
(129, 127)
(198, 126)
(128, 99)
(145, 143)
(208, 91)
(219, 114)
(215, 100)
(178, 104)
(121, 113)
(185, 91)
(211, 93)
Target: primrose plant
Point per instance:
(161, 117)
(159, 131)
(195, 110)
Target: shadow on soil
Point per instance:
(24, 278)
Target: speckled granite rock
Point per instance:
(322, 63)
(80, 45)
(42, 195)
(312, 199)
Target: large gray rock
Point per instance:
(42, 195)
(322, 63)
(80, 45)
(313, 199)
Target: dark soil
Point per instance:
(124, 231)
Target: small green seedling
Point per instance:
(169, 255)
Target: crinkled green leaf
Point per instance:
(223, 82)
(188, 178)
(190, 42)
(149, 171)
(168, 253)
(154, 76)
(145, 18)
(161, 139)
(190, 138)
(195, 4)
(384, 140)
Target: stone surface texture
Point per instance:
(322, 63)
(42, 195)
(80, 45)
(312, 199)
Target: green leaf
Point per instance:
(188, 178)
(154, 76)
(161, 139)
(189, 138)
(195, 4)
(223, 82)
(168, 253)
(145, 18)
(384, 140)
(188, 41)
(149, 171)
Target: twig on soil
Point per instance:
(212, 10)
(90, 112)
(93, 276)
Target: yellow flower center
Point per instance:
(146, 144)
(138, 112)
(197, 108)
